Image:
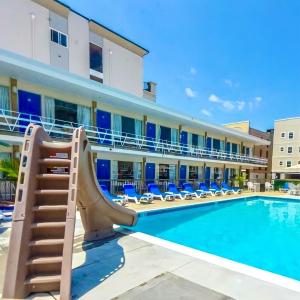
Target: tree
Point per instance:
(10, 168)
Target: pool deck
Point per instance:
(127, 267)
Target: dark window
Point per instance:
(193, 172)
(165, 133)
(65, 111)
(96, 58)
(260, 152)
(216, 144)
(128, 125)
(125, 170)
(195, 140)
(164, 173)
(234, 148)
(59, 38)
(63, 40)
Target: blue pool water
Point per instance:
(260, 232)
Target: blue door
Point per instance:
(103, 172)
(103, 121)
(234, 148)
(150, 172)
(208, 143)
(216, 144)
(182, 174)
(228, 147)
(29, 107)
(151, 135)
(184, 141)
(207, 175)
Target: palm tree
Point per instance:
(10, 168)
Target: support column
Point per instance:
(14, 94)
(145, 119)
(224, 169)
(179, 132)
(94, 113)
(143, 175)
(241, 152)
(205, 137)
(14, 107)
(178, 172)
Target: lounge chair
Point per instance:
(215, 188)
(132, 195)
(285, 188)
(183, 195)
(114, 198)
(203, 188)
(234, 189)
(268, 186)
(187, 187)
(157, 194)
(251, 186)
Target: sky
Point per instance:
(218, 61)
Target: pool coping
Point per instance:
(231, 265)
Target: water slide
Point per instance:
(55, 179)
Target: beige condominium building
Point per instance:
(61, 70)
(259, 174)
(286, 149)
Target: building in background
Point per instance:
(286, 149)
(259, 174)
(60, 69)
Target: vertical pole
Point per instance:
(145, 120)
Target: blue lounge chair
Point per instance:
(285, 188)
(132, 195)
(234, 189)
(215, 188)
(157, 194)
(188, 188)
(183, 195)
(203, 188)
(114, 198)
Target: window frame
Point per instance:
(287, 162)
(95, 73)
(281, 163)
(281, 149)
(289, 148)
(282, 135)
(60, 33)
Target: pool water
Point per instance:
(260, 232)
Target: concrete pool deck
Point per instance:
(126, 267)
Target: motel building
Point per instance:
(62, 70)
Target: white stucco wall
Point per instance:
(78, 45)
(23, 34)
(122, 69)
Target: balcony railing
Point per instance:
(16, 123)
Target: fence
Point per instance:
(7, 190)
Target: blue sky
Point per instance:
(219, 61)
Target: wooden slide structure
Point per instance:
(55, 179)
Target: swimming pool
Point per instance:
(262, 232)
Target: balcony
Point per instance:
(14, 123)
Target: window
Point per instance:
(288, 163)
(291, 135)
(280, 163)
(59, 38)
(65, 111)
(260, 153)
(193, 172)
(165, 134)
(164, 173)
(281, 149)
(195, 140)
(96, 65)
(282, 135)
(290, 149)
(267, 154)
(128, 126)
(125, 170)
